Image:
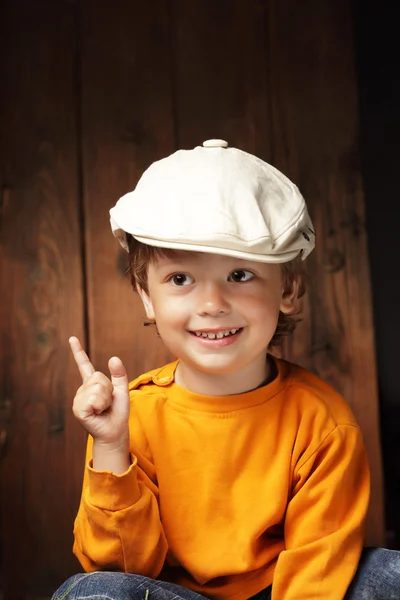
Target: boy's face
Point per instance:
(217, 314)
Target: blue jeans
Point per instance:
(377, 578)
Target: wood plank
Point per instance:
(127, 124)
(219, 52)
(42, 295)
(315, 137)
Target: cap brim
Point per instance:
(264, 258)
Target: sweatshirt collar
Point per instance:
(220, 404)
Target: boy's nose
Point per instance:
(212, 300)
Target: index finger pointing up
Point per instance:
(86, 369)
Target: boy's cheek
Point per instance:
(167, 312)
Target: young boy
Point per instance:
(228, 473)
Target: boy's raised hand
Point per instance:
(101, 404)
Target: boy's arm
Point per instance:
(118, 524)
(324, 520)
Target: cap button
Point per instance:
(215, 144)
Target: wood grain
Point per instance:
(315, 141)
(219, 54)
(127, 119)
(42, 296)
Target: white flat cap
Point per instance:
(220, 200)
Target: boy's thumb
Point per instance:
(119, 377)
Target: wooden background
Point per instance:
(92, 92)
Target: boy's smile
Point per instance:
(217, 337)
(217, 314)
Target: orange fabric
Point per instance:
(227, 494)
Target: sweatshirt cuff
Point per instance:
(113, 492)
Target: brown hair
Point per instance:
(141, 255)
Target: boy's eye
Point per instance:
(181, 279)
(240, 276)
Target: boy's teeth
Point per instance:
(219, 335)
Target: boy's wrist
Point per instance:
(111, 456)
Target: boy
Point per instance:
(228, 473)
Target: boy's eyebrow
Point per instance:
(163, 264)
(186, 262)
(173, 267)
(184, 258)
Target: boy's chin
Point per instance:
(213, 365)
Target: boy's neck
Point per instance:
(227, 384)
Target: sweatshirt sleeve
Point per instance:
(118, 526)
(324, 520)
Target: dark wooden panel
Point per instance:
(379, 100)
(127, 124)
(41, 295)
(315, 132)
(219, 53)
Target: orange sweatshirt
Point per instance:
(228, 494)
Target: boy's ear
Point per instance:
(289, 298)
(148, 306)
